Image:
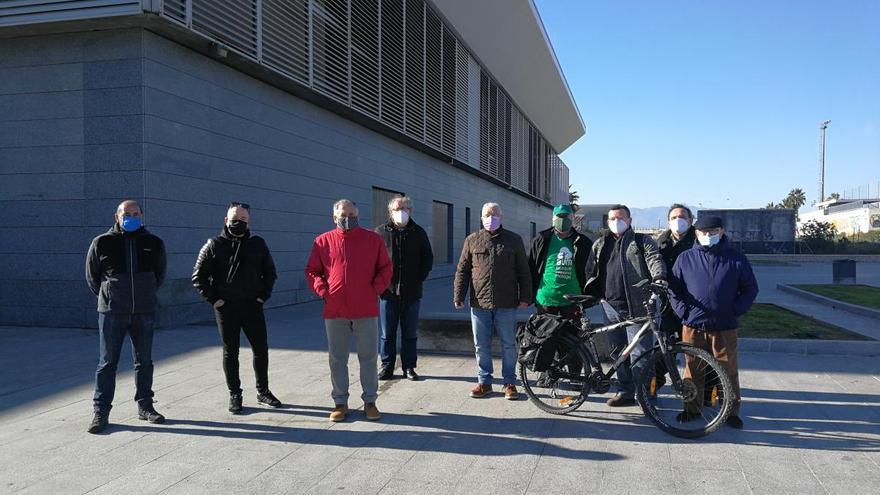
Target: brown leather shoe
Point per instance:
(510, 392)
(481, 390)
(371, 411)
(339, 412)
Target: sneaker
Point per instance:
(371, 411)
(411, 375)
(685, 416)
(620, 400)
(510, 392)
(235, 403)
(338, 413)
(734, 421)
(268, 399)
(386, 373)
(149, 414)
(99, 422)
(481, 390)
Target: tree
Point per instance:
(833, 196)
(815, 230)
(795, 199)
(573, 198)
(771, 206)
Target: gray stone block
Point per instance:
(41, 159)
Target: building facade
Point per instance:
(186, 105)
(758, 230)
(849, 216)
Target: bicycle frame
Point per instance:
(648, 324)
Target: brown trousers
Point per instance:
(722, 345)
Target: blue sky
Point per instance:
(718, 103)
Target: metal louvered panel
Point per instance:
(234, 22)
(449, 138)
(414, 67)
(392, 60)
(475, 115)
(391, 51)
(365, 56)
(484, 122)
(433, 80)
(286, 37)
(462, 115)
(176, 9)
(330, 54)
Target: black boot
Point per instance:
(235, 403)
(99, 422)
(147, 413)
(386, 373)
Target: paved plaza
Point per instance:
(812, 426)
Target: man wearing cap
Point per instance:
(712, 286)
(557, 258)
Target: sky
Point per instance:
(718, 104)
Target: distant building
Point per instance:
(592, 218)
(849, 216)
(758, 231)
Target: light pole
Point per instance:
(822, 127)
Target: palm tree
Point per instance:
(573, 198)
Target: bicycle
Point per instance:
(699, 397)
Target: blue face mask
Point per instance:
(130, 224)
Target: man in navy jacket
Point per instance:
(712, 286)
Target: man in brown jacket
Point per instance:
(494, 268)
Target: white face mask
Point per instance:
(679, 225)
(400, 217)
(617, 226)
(709, 240)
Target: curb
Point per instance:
(832, 303)
(811, 347)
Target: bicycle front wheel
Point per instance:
(564, 385)
(702, 403)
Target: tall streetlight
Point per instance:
(822, 127)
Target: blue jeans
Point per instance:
(618, 340)
(394, 312)
(503, 321)
(111, 330)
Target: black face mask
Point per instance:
(237, 228)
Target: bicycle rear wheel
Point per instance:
(704, 401)
(564, 386)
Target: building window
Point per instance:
(534, 230)
(381, 197)
(441, 241)
(467, 221)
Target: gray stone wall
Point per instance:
(89, 119)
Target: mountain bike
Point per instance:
(696, 402)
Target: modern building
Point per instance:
(758, 230)
(186, 105)
(849, 216)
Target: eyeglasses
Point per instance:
(236, 204)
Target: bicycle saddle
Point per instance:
(585, 301)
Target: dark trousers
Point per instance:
(722, 345)
(397, 312)
(232, 318)
(111, 330)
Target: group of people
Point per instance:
(371, 281)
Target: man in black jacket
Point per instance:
(124, 268)
(412, 258)
(235, 273)
(564, 251)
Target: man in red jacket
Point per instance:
(349, 268)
